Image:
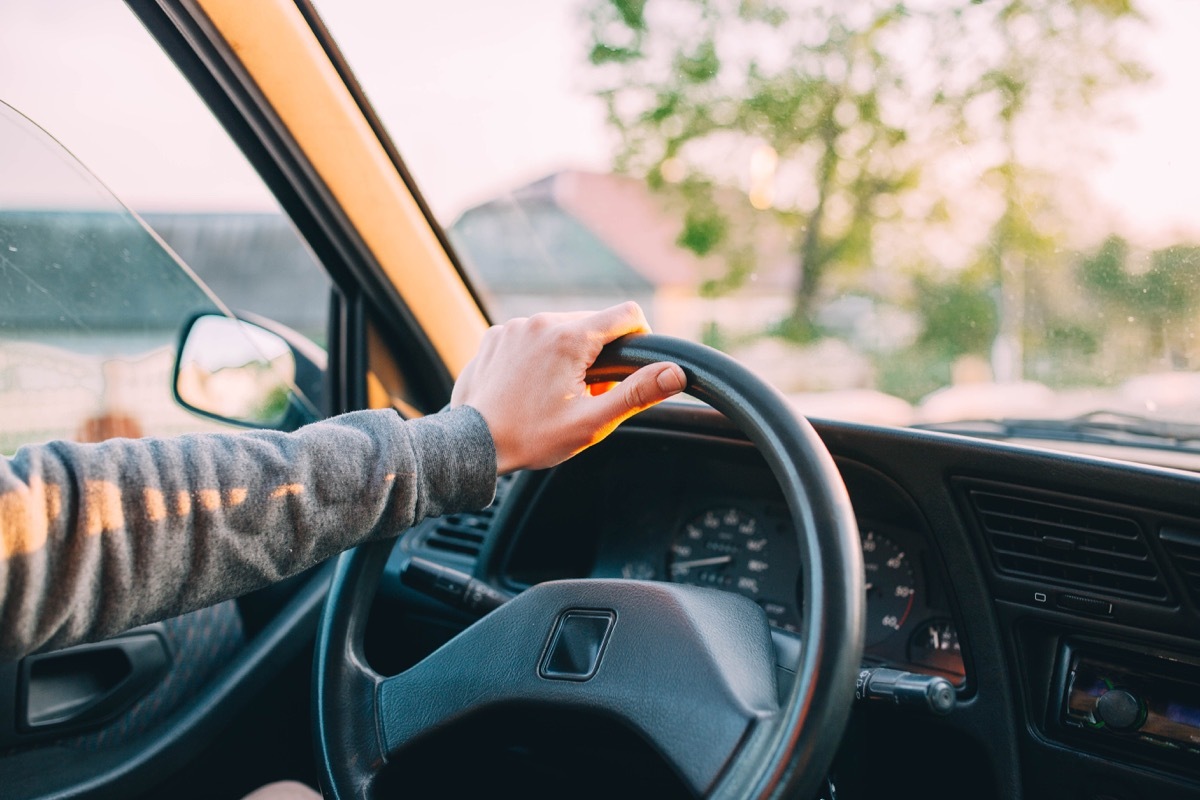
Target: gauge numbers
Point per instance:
(728, 548)
(891, 587)
(731, 548)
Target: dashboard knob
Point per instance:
(1120, 710)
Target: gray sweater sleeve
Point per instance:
(95, 539)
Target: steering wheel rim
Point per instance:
(785, 753)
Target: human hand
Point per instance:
(527, 381)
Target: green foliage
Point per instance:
(1073, 338)
(1170, 285)
(714, 337)
(1104, 272)
(632, 13)
(854, 110)
(771, 14)
(699, 66)
(274, 405)
(611, 54)
(740, 268)
(959, 316)
(796, 329)
(682, 87)
(913, 373)
(703, 229)
(1065, 355)
(1157, 297)
(623, 23)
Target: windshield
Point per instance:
(898, 213)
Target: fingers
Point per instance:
(527, 380)
(648, 386)
(613, 322)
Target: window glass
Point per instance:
(903, 213)
(94, 290)
(89, 303)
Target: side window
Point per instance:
(93, 296)
(90, 304)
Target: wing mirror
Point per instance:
(243, 373)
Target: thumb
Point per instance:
(649, 385)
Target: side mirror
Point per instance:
(241, 373)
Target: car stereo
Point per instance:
(1147, 702)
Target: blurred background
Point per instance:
(896, 212)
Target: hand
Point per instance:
(527, 381)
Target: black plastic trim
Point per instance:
(347, 372)
(1057, 761)
(54, 773)
(309, 382)
(136, 660)
(1175, 615)
(916, 462)
(496, 562)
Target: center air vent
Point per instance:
(1062, 544)
(466, 534)
(1183, 547)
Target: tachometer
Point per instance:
(729, 548)
(891, 587)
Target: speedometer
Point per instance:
(730, 548)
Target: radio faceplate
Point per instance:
(1145, 703)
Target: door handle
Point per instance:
(88, 684)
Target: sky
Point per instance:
(88, 73)
(480, 97)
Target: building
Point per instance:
(584, 240)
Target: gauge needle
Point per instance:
(701, 562)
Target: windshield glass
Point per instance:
(897, 213)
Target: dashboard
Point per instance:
(709, 513)
(1059, 594)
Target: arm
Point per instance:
(99, 538)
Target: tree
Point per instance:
(1031, 75)
(791, 103)
(1151, 299)
(834, 119)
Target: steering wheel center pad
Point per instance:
(689, 668)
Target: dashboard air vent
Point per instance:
(466, 534)
(1183, 546)
(1062, 544)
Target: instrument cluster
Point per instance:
(696, 513)
(749, 548)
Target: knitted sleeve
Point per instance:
(95, 539)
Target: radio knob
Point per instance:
(1120, 710)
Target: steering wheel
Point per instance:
(627, 649)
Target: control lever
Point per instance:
(454, 588)
(932, 693)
